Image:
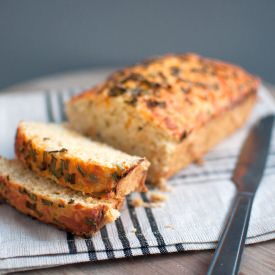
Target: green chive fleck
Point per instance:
(31, 206)
(43, 165)
(58, 173)
(80, 170)
(93, 178)
(70, 178)
(63, 150)
(66, 164)
(52, 165)
(116, 176)
(46, 202)
(32, 196)
(33, 154)
(22, 190)
(89, 221)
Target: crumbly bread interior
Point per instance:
(44, 187)
(124, 130)
(53, 137)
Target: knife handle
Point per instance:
(227, 257)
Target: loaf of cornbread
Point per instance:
(54, 204)
(170, 109)
(64, 156)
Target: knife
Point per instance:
(247, 177)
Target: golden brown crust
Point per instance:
(85, 177)
(79, 219)
(176, 93)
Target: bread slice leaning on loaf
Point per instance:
(54, 204)
(58, 153)
(170, 109)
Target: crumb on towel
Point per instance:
(157, 197)
(137, 202)
(169, 226)
(164, 187)
(133, 230)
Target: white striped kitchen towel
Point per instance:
(191, 219)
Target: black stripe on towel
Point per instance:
(220, 157)
(154, 227)
(142, 240)
(179, 247)
(108, 246)
(123, 238)
(223, 172)
(91, 249)
(71, 243)
(50, 116)
(61, 106)
(49, 108)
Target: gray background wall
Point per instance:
(39, 37)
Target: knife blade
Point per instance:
(247, 177)
(252, 159)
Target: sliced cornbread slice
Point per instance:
(51, 203)
(58, 153)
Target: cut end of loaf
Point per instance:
(61, 154)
